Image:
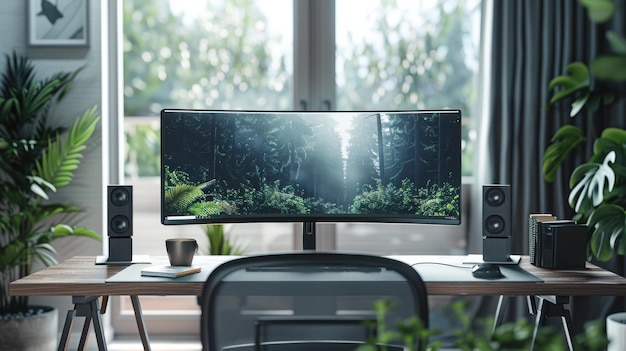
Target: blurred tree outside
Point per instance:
(218, 56)
(214, 54)
(399, 60)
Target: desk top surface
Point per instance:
(80, 275)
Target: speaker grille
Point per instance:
(494, 196)
(496, 211)
(120, 211)
(119, 196)
(494, 225)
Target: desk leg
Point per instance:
(140, 323)
(503, 302)
(104, 304)
(532, 304)
(88, 307)
(84, 335)
(97, 325)
(69, 320)
(553, 306)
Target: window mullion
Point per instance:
(301, 47)
(314, 45)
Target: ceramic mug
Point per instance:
(181, 251)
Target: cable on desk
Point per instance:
(443, 264)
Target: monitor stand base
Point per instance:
(136, 259)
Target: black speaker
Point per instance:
(497, 211)
(120, 211)
(497, 223)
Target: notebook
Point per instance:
(169, 271)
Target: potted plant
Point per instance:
(598, 186)
(220, 241)
(37, 158)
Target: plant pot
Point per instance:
(35, 332)
(616, 331)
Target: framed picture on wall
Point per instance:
(58, 23)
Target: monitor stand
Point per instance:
(308, 236)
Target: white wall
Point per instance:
(87, 187)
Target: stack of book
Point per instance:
(556, 243)
(534, 228)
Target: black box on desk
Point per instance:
(563, 245)
(535, 235)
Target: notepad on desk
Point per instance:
(168, 271)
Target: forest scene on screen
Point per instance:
(276, 165)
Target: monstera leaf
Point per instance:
(609, 224)
(591, 187)
(611, 67)
(599, 11)
(564, 141)
(599, 194)
(577, 81)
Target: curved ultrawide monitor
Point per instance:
(271, 166)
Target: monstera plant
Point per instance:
(598, 186)
(38, 157)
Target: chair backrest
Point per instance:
(303, 300)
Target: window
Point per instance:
(283, 55)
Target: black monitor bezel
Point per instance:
(311, 218)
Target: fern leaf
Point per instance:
(179, 198)
(59, 161)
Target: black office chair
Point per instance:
(306, 301)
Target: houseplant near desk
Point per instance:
(598, 186)
(37, 157)
(220, 241)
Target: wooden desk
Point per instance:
(79, 276)
(85, 281)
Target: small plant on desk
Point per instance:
(220, 241)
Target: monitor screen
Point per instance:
(277, 166)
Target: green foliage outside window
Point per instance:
(219, 56)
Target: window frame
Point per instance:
(314, 89)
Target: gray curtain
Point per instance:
(534, 41)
